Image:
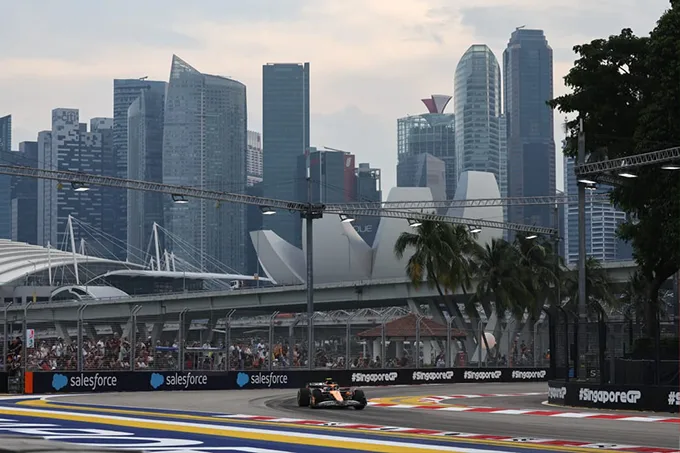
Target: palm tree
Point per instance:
(440, 258)
(598, 288)
(440, 255)
(499, 280)
(537, 264)
(498, 277)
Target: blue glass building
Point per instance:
(528, 74)
(285, 136)
(5, 180)
(145, 163)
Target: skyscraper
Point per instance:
(423, 170)
(5, 180)
(477, 105)
(528, 69)
(145, 163)
(125, 92)
(285, 130)
(329, 173)
(25, 197)
(68, 146)
(204, 146)
(254, 158)
(602, 221)
(369, 189)
(431, 133)
(6, 133)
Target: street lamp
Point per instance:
(414, 223)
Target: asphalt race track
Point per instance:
(282, 403)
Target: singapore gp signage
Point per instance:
(591, 395)
(430, 377)
(491, 375)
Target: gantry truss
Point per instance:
(614, 167)
(72, 177)
(473, 203)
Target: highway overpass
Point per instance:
(329, 296)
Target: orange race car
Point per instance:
(330, 394)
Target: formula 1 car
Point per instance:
(330, 394)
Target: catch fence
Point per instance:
(240, 340)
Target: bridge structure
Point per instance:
(289, 299)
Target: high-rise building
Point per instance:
(369, 189)
(285, 131)
(25, 197)
(204, 146)
(111, 240)
(332, 176)
(5, 180)
(423, 170)
(254, 158)
(602, 221)
(431, 133)
(477, 106)
(125, 92)
(68, 146)
(528, 70)
(144, 147)
(6, 133)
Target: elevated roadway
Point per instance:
(332, 296)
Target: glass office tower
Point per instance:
(285, 135)
(477, 105)
(528, 70)
(204, 146)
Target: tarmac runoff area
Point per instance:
(259, 421)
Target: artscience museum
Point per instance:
(341, 255)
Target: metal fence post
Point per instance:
(133, 338)
(79, 339)
(348, 339)
(181, 338)
(417, 352)
(227, 338)
(449, 342)
(6, 338)
(270, 346)
(24, 352)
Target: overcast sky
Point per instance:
(371, 60)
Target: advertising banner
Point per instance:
(145, 381)
(608, 397)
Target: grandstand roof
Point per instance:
(18, 259)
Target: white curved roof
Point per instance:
(340, 254)
(18, 259)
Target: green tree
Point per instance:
(440, 256)
(499, 278)
(626, 91)
(598, 288)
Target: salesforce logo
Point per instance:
(261, 379)
(157, 380)
(177, 380)
(59, 381)
(84, 382)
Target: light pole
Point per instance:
(582, 337)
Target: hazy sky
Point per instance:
(371, 60)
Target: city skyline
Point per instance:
(354, 80)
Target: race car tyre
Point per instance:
(361, 398)
(303, 397)
(317, 397)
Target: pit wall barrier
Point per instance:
(145, 381)
(611, 397)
